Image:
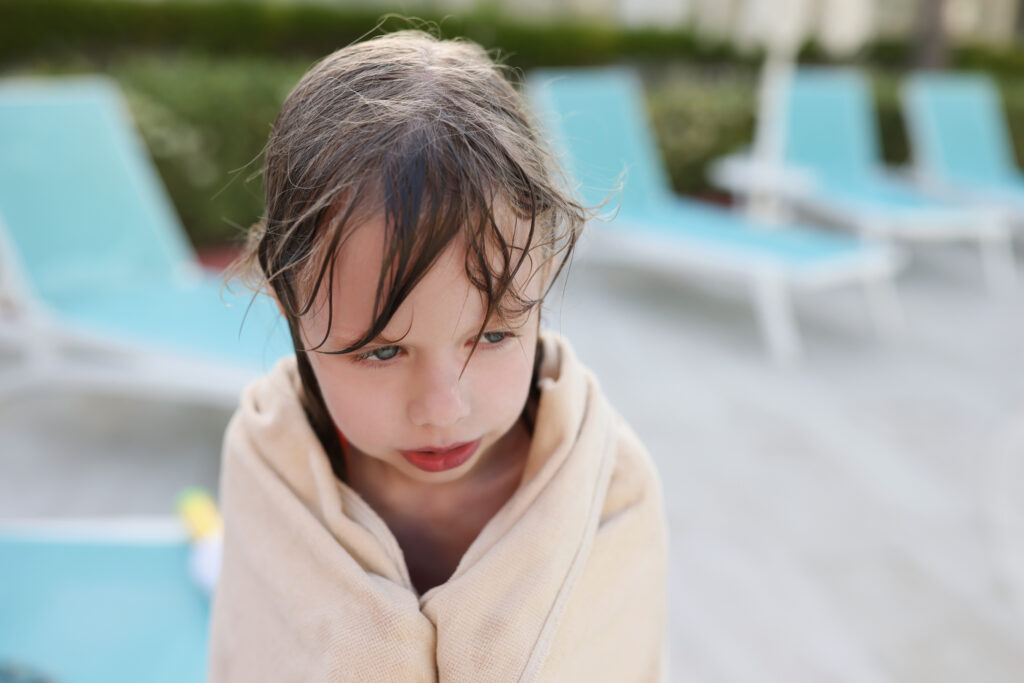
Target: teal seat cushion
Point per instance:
(599, 124)
(95, 236)
(874, 191)
(790, 245)
(80, 200)
(959, 129)
(829, 123)
(196, 317)
(831, 132)
(90, 612)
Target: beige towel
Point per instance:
(565, 583)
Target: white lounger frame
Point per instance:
(772, 286)
(988, 228)
(40, 352)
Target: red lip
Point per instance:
(434, 460)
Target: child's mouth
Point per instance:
(434, 460)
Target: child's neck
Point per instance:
(435, 524)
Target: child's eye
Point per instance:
(382, 353)
(494, 337)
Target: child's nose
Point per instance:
(439, 399)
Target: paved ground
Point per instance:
(833, 521)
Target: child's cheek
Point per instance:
(504, 390)
(354, 400)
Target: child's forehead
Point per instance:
(364, 246)
(348, 309)
(371, 232)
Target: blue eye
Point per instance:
(383, 353)
(494, 337)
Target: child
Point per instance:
(432, 488)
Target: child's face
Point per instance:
(409, 403)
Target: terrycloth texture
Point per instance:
(565, 583)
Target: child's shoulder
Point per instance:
(269, 413)
(635, 478)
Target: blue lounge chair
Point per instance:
(960, 140)
(597, 120)
(831, 133)
(98, 283)
(100, 605)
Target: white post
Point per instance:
(780, 26)
(769, 135)
(997, 259)
(776, 317)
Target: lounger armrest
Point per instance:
(743, 175)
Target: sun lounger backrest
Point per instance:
(599, 120)
(79, 198)
(957, 127)
(830, 126)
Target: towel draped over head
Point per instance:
(566, 582)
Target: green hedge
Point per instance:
(699, 115)
(43, 28)
(205, 121)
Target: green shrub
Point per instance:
(699, 115)
(206, 121)
(43, 28)
(1012, 91)
(895, 146)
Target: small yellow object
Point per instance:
(199, 513)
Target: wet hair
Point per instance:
(429, 134)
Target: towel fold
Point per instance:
(565, 582)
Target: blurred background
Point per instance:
(205, 79)
(844, 507)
